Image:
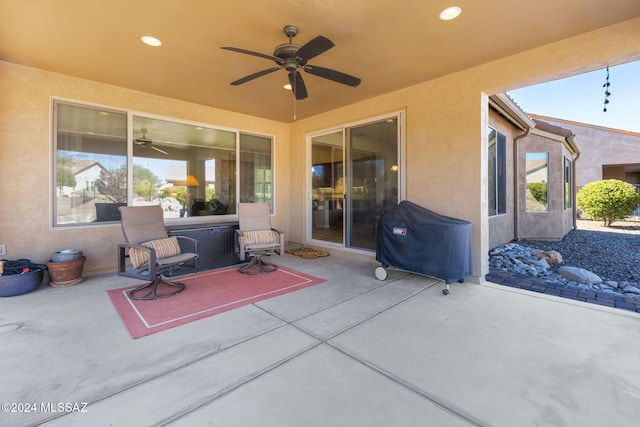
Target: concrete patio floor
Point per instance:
(353, 351)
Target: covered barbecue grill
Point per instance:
(417, 240)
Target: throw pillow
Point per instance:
(260, 237)
(164, 249)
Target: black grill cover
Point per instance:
(418, 240)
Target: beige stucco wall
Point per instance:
(556, 221)
(444, 149)
(446, 121)
(517, 223)
(446, 124)
(25, 96)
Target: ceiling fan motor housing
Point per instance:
(287, 52)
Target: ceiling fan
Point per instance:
(292, 57)
(146, 142)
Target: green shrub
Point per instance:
(608, 200)
(538, 191)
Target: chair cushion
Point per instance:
(260, 237)
(164, 248)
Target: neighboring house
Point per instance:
(530, 170)
(607, 153)
(85, 172)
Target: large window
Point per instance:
(537, 179)
(90, 163)
(497, 173)
(187, 168)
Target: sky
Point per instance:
(581, 98)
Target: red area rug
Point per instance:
(206, 294)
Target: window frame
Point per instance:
(53, 153)
(568, 183)
(497, 170)
(546, 166)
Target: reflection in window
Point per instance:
(90, 163)
(188, 169)
(537, 179)
(255, 165)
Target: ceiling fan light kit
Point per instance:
(292, 57)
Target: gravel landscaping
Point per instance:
(611, 253)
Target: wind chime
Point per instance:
(606, 91)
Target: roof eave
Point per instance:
(508, 108)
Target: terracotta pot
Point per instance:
(67, 273)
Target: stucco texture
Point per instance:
(445, 154)
(25, 164)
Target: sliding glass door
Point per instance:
(373, 179)
(355, 178)
(327, 187)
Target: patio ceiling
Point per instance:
(389, 45)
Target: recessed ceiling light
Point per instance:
(199, 128)
(450, 13)
(287, 86)
(151, 41)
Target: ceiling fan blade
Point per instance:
(250, 52)
(334, 75)
(313, 48)
(159, 150)
(254, 76)
(297, 85)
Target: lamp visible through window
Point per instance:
(191, 181)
